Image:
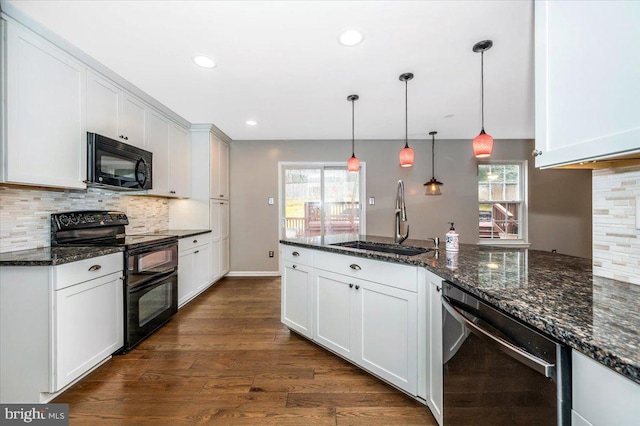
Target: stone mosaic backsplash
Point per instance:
(616, 241)
(25, 221)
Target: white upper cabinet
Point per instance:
(171, 148)
(179, 161)
(219, 169)
(586, 71)
(45, 140)
(114, 113)
(158, 133)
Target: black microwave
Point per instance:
(116, 165)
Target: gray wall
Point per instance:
(559, 200)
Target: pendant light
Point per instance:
(483, 143)
(433, 186)
(353, 164)
(406, 154)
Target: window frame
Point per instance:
(524, 204)
(282, 165)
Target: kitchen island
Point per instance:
(554, 293)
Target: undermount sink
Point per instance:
(384, 248)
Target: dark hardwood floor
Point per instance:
(225, 358)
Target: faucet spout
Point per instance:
(400, 214)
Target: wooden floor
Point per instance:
(225, 358)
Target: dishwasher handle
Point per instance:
(531, 361)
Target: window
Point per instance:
(321, 199)
(502, 189)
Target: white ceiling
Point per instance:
(279, 63)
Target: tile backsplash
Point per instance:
(616, 241)
(24, 212)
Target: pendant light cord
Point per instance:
(353, 149)
(482, 85)
(406, 116)
(433, 156)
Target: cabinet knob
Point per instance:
(295, 253)
(295, 266)
(95, 267)
(357, 287)
(438, 288)
(121, 136)
(355, 267)
(126, 138)
(195, 241)
(350, 285)
(172, 192)
(536, 152)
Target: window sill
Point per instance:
(505, 243)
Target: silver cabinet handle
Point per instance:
(536, 153)
(172, 192)
(532, 361)
(295, 253)
(95, 267)
(438, 288)
(350, 285)
(355, 267)
(357, 287)
(196, 252)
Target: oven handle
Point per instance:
(532, 361)
(152, 283)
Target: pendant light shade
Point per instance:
(483, 143)
(433, 186)
(353, 164)
(406, 154)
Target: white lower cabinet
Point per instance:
(194, 259)
(297, 297)
(56, 324)
(434, 384)
(373, 324)
(600, 396)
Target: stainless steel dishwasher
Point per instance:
(498, 371)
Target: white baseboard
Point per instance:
(253, 274)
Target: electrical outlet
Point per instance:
(372, 201)
(270, 253)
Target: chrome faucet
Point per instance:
(400, 213)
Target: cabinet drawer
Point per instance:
(192, 242)
(295, 254)
(84, 270)
(399, 276)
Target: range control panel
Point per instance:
(88, 219)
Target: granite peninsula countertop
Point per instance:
(51, 256)
(557, 294)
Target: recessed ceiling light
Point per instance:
(351, 37)
(493, 265)
(449, 115)
(204, 62)
(251, 123)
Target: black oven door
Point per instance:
(149, 306)
(117, 164)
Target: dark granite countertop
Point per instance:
(555, 293)
(51, 256)
(181, 233)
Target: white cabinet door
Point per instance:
(224, 256)
(46, 137)
(88, 326)
(179, 162)
(214, 256)
(297, 298)
(434, 346)
(224, 219)
(387, 334)
(201, 262)
(334, 325)
(132, 127)
(601, 396)
(587, 92)
(216, 217)
(158, 133)
(186, 283)
(219, 169)
(104, 101)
